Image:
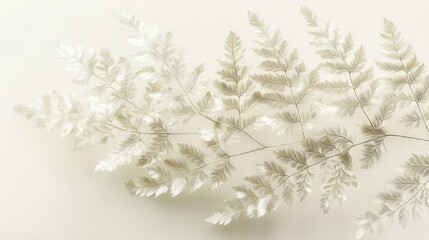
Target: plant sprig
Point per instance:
(157, 107)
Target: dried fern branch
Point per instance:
(409, 80)
(409, 197)
(284, 77)
(340, 56)
(159, 108)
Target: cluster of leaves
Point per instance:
(173, 98)
(409, 197)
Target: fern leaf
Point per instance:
(335, 186)
(337, 86)
(317, 149)
(288, 117)
(417, 165)
(339, 137)
(206, 102)
(347, 105)
(195, 155)
(371, 153)
(77, 60)
(276, 100)
(412, 120)
(344, 58)
(258, 183)
(362, 78)
(274, 170)
(384, 113)
(155, 185)
(271, 81)
(293, 158)
(129, 150)
(408, 199)
(407, 183)
(303, 185)
(233, 209)
(221, 173)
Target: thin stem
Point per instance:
(114, 126)
(254, 139)
(356, 96)
(297, 110)
(408, 137)
(103, 122)
(262, 148)
(130, 130)
(418, 105)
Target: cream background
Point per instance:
(47, 192)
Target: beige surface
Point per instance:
(47, 192)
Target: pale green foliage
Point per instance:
(147, 100)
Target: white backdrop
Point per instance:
(48, 192)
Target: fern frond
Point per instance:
(172, 96)
(274, 170)
(337, 86)
(255, 200)
(276, 100)
(283, 70)
(221, 173)
(417, 165)
(335, 186)
(295, 159)
(385, 112)
(174, 175)
(303, 184)
(77, 60)
(409, 79)
(408, 199)
(371, 153)
(236, 87)
(347, 105)
(339, 137)
(129, 150)
(340, 56)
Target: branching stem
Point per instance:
(190, 100)
(120, 94)
(404, 204)
(326, 158)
